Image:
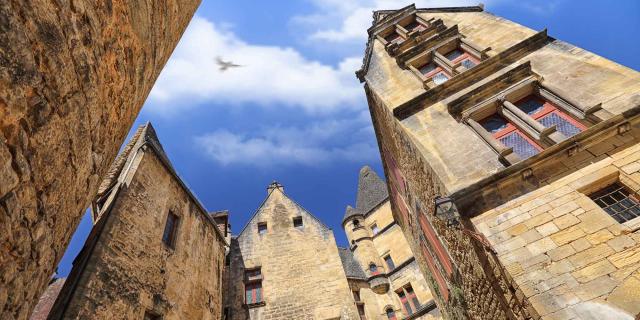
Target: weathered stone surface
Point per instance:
(73, 76)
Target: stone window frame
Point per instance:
(253, 278)
(298, 220)
(502, 103)
(436, 55)
(601, 181)
(170, 238)
(399, 28)
(263, 228)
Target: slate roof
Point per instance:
(371, 190)
(351, 267)
(349, 212)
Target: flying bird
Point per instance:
(224, 65)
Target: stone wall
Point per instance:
(130, 271)
(73, 76)
(302, 272)
(567, 255)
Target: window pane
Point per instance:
(440, 77)
(494, 123)
(468, 63)
(452, 55)
(521, 146)
(407, 307)
(427, 68)
(389, 262)
(531, 105)
(618, 202)
(248, 293)
(259, 293)
(565, 127)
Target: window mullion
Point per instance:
(444, 63)
(543, 132)
(505, 152)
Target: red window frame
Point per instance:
(411, 296)
(547, 108)
(435, 272)
(510, 128)
(390, 38)
(406, 305)
(465, 55)
(253, 292)
(373, 268)
(436, 244)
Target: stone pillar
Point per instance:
(73, 77)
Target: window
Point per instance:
(548, 115)
(297, 222)
(389, 262)
(150, 315)
(408, 299)
(262, 227)
(170, 230)
(618, 201)
(512, 137)
(356, 296)
(374, 229)
(432, 71)
(373, 269)
(356, 223)
(458, 55)
(393, 37)
(391, 315)
(253, 286)
(361, 311)
(415, 26)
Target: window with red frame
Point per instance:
(373, 269)
(393, 37)
(548, 115)
(408, 299)
(432, 71)
(458, 55)
(415, 26)
(436, 244)
(253, 286)
(505, 132)
(391, 315)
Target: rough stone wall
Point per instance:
(473, 292)
(131, 270)
(302, 272)
(566, 254)
(73, 76)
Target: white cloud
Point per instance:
(270, 75)
(349, 20)
(315, 144)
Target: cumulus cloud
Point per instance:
(315, 144)
(348, 20)
(270, 75)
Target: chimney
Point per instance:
(274, 185)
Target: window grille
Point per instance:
(521, 146)
(548, 115)
(565, 127)
(440, 77)
(468, 63)
(620, 203)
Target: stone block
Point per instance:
(626, 257)
(596, 288)
(560, 267)
(539, 220)
(548, 229)
(631, 168)
(594, 220)
(593, 271)
(581, 244)
(546, 303)
(599, 236)
(564, 208)
(561, 252)
(567, 235)
(627, 296)
(541, 246)
(590, 255)
(566, 221)
(517, 229)
(621, 242)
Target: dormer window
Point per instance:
(523, 120)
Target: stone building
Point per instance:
(153, 253)
(383, 275)
(284, 264)
(512, 160)
(73, 77)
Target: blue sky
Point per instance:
(295, 111)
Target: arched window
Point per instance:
(390, 313)
(373, 268)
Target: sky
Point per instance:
(295, 112)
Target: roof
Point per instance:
(42, 309)
(350, 212)
(385, 18)
(351, 267)
(371, 192)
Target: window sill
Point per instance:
(254, 305)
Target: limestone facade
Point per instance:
(386, 268)
(73, 77)
(135, 263)
(525, 135)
